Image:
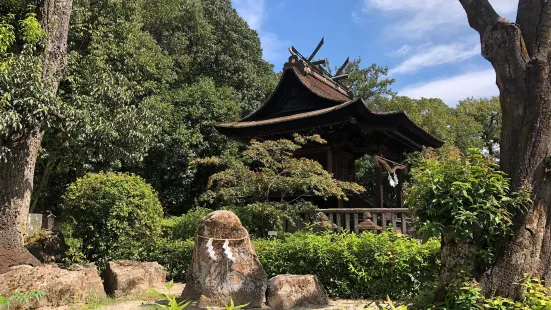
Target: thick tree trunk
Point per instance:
(16, 174)
(15, 195)
(520, 54)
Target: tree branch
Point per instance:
(480, 14)
(57, 115)
(534, 20)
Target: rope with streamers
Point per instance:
(226, 246)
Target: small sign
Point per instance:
(272, 233)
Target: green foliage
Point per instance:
(232, 306)
(431, 114)
(260, 217)
(466, 295)
(463, 196)
(18, 298)
(26, 100)
(188, 132)
(174, 255)
(354, 266)
(186, 225)
(172, 303)
(369, 83)
(111, 216)
(478, 124)
(266, 182)
(146, 80)
(349, 266)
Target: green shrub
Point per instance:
(348, 265)
(354, 266)
(174, 255)
(186, 225)
(110, 216)
(466, 294)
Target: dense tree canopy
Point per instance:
(147, 80)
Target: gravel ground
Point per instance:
(147, 301)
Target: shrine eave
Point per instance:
(355, 112)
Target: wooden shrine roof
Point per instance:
(396, 124)
(308, 97)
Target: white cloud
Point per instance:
(254, 13)
(429, 55)
(402, 51)
(272, 47)
(356, 18)
(481, 83)
(415, 19)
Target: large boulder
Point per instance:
(292, 291)
(216, 277)
(62, 286)
(125, 277)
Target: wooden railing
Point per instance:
(350, 218)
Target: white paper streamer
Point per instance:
(227, 250)
(210, 249)
(391, 180)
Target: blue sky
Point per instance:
(427, 45)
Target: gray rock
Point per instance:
(62, 286)
(213, 282)
(291, 291)
(125, 277)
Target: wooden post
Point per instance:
(393, 219)
(330, 161)
(339, 222)
(383, 219)
(356, 230)
(399, 189)
(404, 224)
(378, 186)
(347, 221)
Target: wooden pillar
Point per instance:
(330, 161)
(378, 186)
(353, 170)
(400, 189)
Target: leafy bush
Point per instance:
(463, 196)
(354, 266)
(110, 216)
(466, 294)
(465, 200)
(348, 265)
(265, 182)
(186, 225)
(174, 255)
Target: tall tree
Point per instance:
(520, 52)
(28, 82)
(111, 97)
(478, 124)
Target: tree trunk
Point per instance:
(456, 256)
(520, 54)
(15, 196)
(16, 174)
